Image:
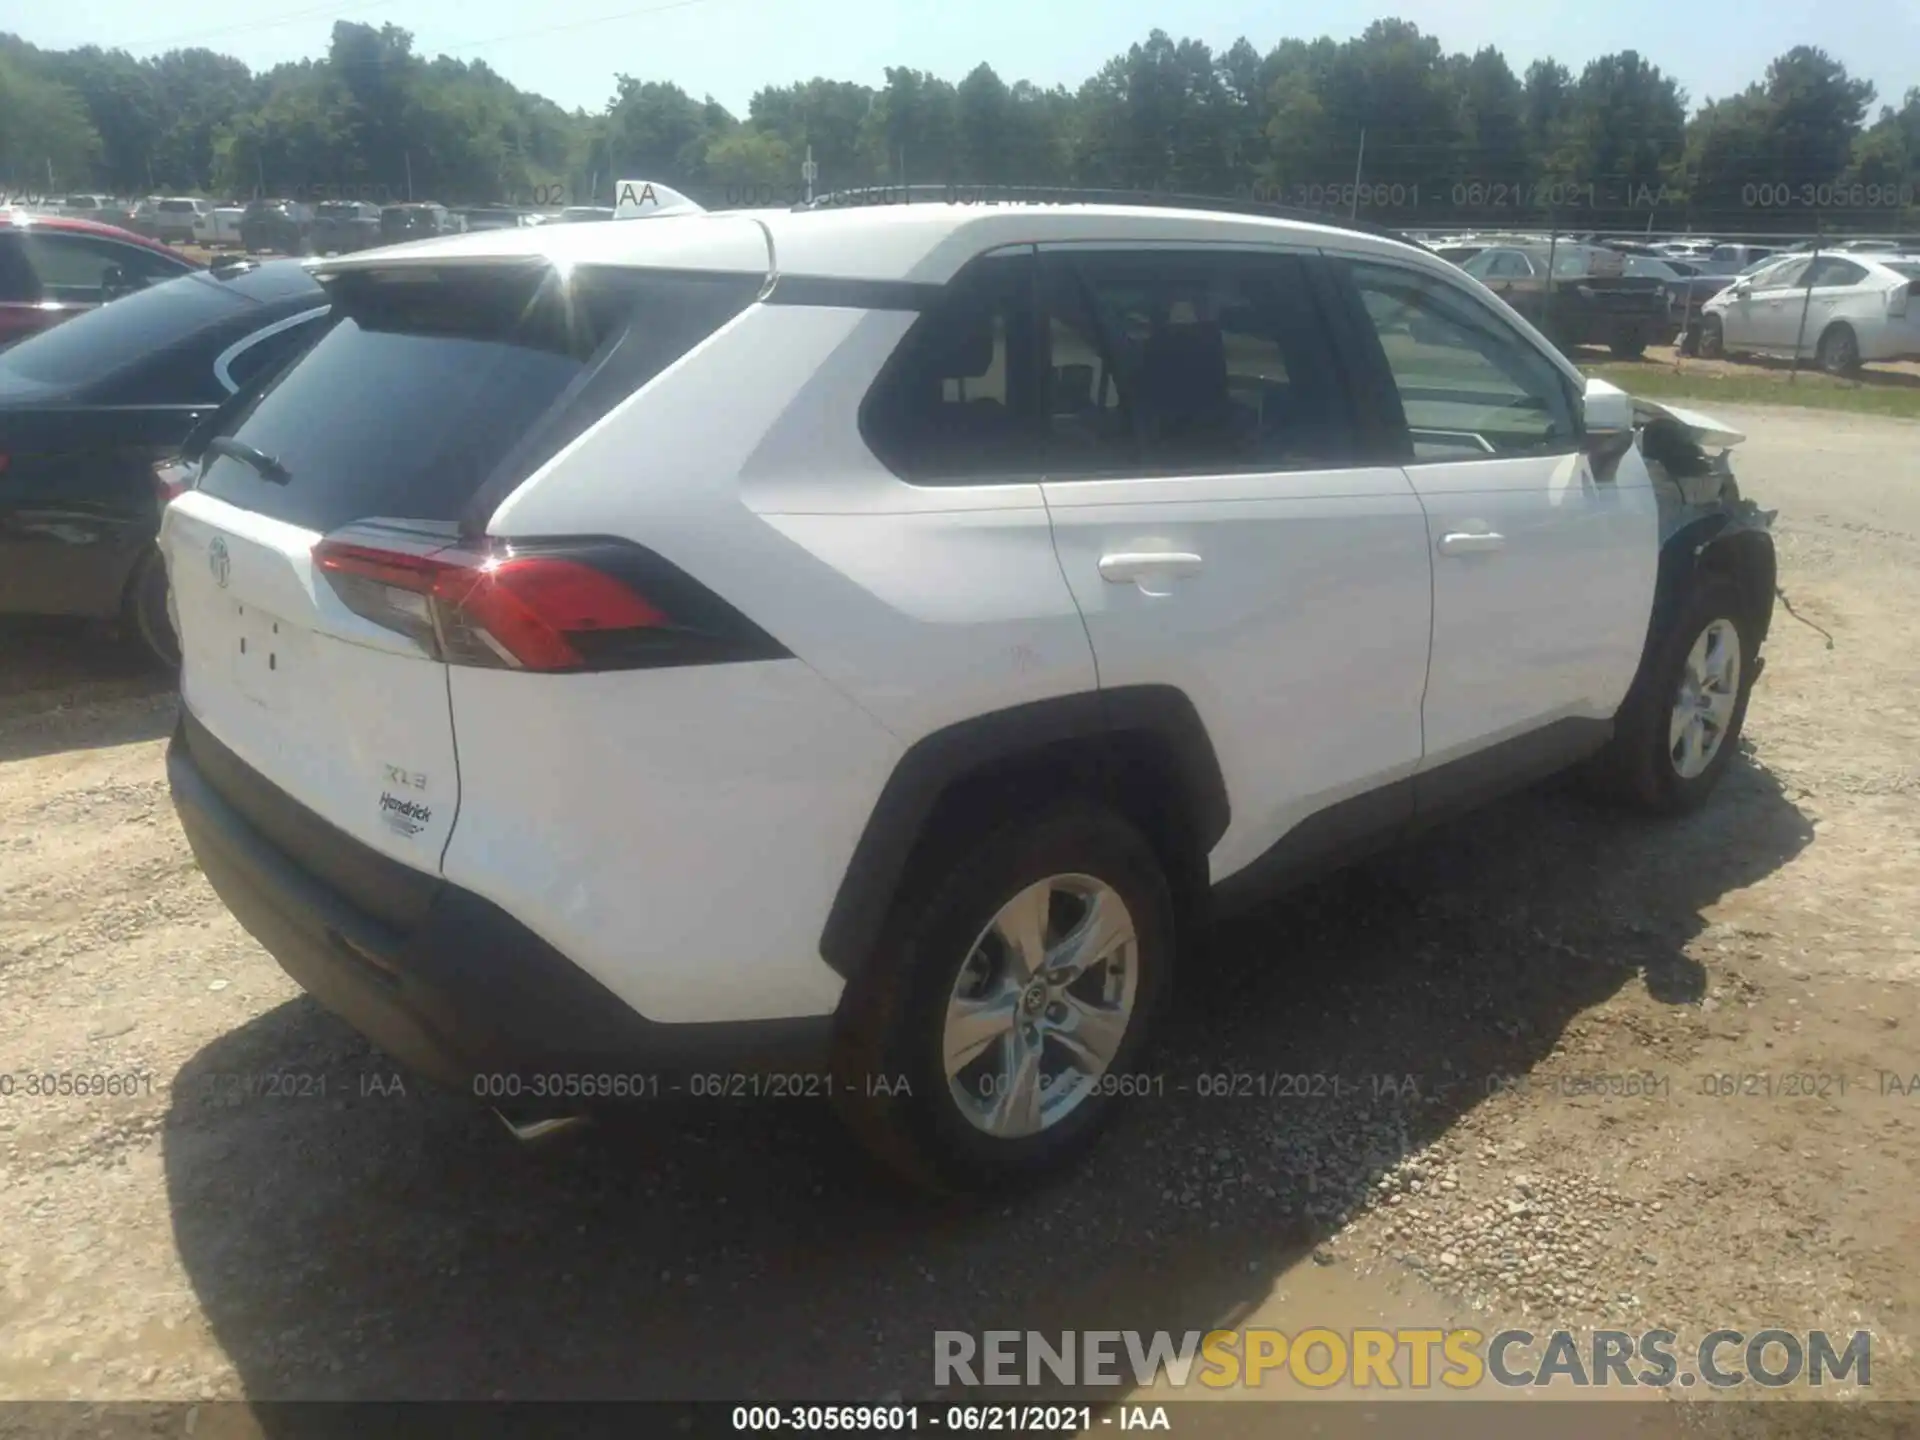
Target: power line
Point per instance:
(568, 25)
(251, 25)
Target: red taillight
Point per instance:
(171, 480)
(486, 603)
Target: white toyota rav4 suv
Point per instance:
(867, 642)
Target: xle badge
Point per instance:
(219, 562)
(404, 817)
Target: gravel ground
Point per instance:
(1445, 1155)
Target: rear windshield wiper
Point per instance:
(262, 463)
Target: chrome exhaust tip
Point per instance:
(530, 1130)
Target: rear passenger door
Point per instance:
(1224, 531)
(1825, 290)
(1543, 570)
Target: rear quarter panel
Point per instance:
(682, 833)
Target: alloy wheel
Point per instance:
(1703, 707)
(1041, 1006)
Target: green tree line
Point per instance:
(1426, 133)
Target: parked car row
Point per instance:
(88, 410)
(1839, 310)
(1575, 294)
(1839, 307)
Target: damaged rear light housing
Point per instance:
(559, 605)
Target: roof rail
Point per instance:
(863, 196)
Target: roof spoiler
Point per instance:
(646, 199)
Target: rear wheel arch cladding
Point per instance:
(1143, 749)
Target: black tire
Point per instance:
(1627, 347)
(1638, 766)
(1713, 339)
(1838, 352)
(893, 1019)
(144, 615)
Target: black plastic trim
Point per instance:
(1362, 825)
(1473, 780)
(950, 756)
(391, 893)
(1379, 417)
(463, 992)
(842, 293)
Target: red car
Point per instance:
(53, 267)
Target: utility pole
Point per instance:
(1353, 212)
(1806, 300)
(809, 172)
(407, 155)
(1553, 244)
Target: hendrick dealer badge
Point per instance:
(404, 817)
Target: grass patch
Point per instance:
(1813, 390)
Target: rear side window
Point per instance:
(433, 393)
(261, 353)
(1829, 271)
(92, 347)
(1469, 384)
(76, 268)
(957, 401)
(16, 276)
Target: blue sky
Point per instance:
(571, 49)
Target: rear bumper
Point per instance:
(461, 992)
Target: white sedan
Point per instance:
(1842, 310)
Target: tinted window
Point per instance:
(422, 390)
(1646, 267)
(92, 347)
(76, 267)
(1781, 276)
(1468, 383)
(957, 400)
(1221, 361)
(1906, 269)
(16, 276)
(1829, 271)
(269, 352)
(1500, 265)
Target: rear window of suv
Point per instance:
(433, 393)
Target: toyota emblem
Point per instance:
(219, 562)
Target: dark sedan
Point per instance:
(89, 409)
(1588, 299)
(1688, 286)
